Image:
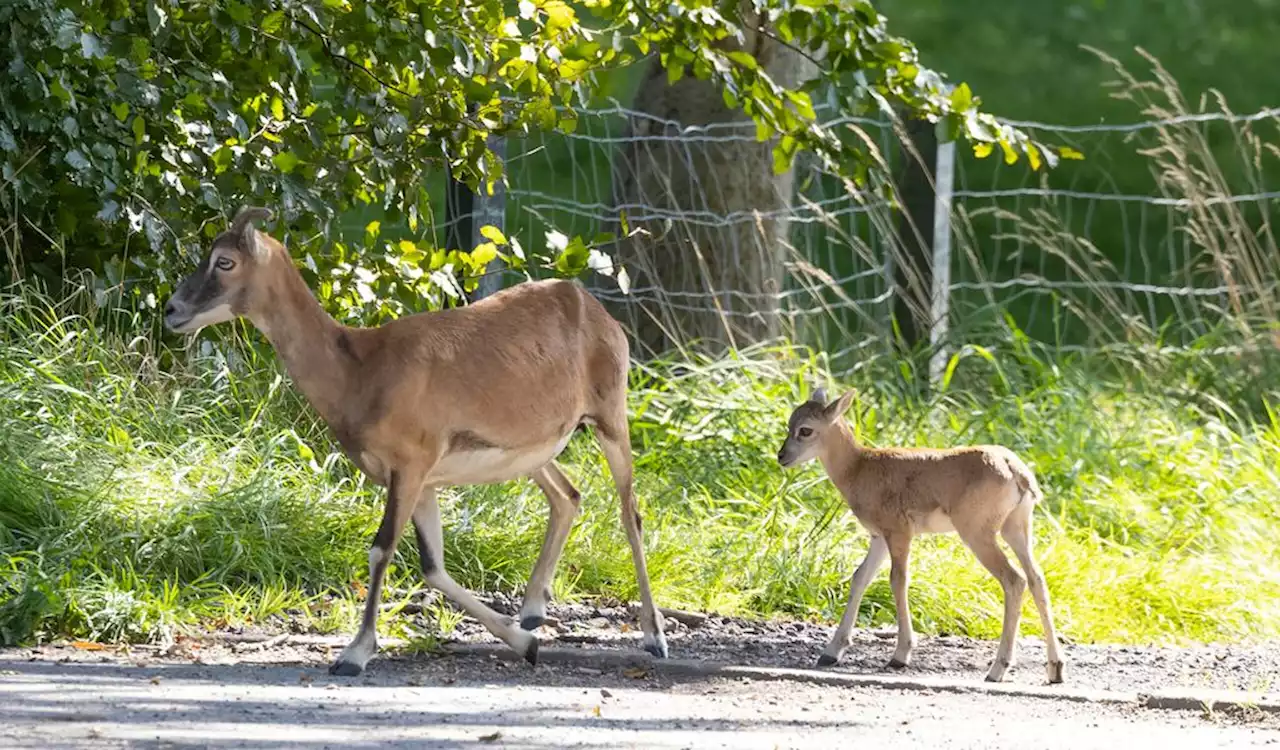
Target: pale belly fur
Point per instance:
(934, 522)
(492, 465)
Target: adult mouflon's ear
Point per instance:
(245, 229)
(842, 404)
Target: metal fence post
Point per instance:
(940, 294)
(491, 210)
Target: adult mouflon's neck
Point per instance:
(306, 340)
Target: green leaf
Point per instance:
(803, 104)
(285, 161)
(493, 234)
(744, 59)
(982, 150)
(277, 108)
(484, 252)
(559, 15)
(273, 21)
(120, 110)
(1010, 156)
(961, 98)
(1033, 156)
(1066, 152)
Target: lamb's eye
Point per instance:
(224, 264)
(804, 432)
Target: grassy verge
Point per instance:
(136, 499)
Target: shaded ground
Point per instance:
(271, 689)
(1253, 667)
(105, 701)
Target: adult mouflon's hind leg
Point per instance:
(564, 500)
(616, 444)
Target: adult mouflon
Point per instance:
(478, 394)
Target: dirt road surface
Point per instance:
(272, 690)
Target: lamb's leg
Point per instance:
(899, 580)
(1017, 532)
(987, 549)
(862, 577)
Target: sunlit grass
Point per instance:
(136, 499)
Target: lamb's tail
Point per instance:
(1026, 481)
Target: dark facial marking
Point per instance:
(200, 288)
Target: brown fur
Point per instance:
(480, 394)
(980, 492)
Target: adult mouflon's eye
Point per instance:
(224, 263)
(804, 432)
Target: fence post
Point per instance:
(940, 297)
(459, 209)
(491, 210)
(913, 266)
(465, 212)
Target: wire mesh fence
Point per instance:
(1161, 236)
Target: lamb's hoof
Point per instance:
(1055, 672)
(532, 622)
(896, 663)
(827, 660)
(656, 646)
(345, 669)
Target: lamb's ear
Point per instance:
(819, 396)
(243, 227)
(841, 405)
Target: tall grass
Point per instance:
(138, 499)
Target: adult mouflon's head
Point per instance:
(808, 423)
(226, 283)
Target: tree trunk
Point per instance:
(708, 267)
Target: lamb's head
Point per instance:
(808, 424)
(230, 280)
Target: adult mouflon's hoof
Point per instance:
(897, 664)
(656, 646)
(532, 622)
(345, 669)
(827, 660)
(531, 653)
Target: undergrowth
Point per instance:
(138, 499)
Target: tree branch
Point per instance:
(328, 50)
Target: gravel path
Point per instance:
(107, 701)
(271, 689)
(1251, 667)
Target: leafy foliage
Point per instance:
(157, 119)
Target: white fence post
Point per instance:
(490, 210)
(940, 294)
